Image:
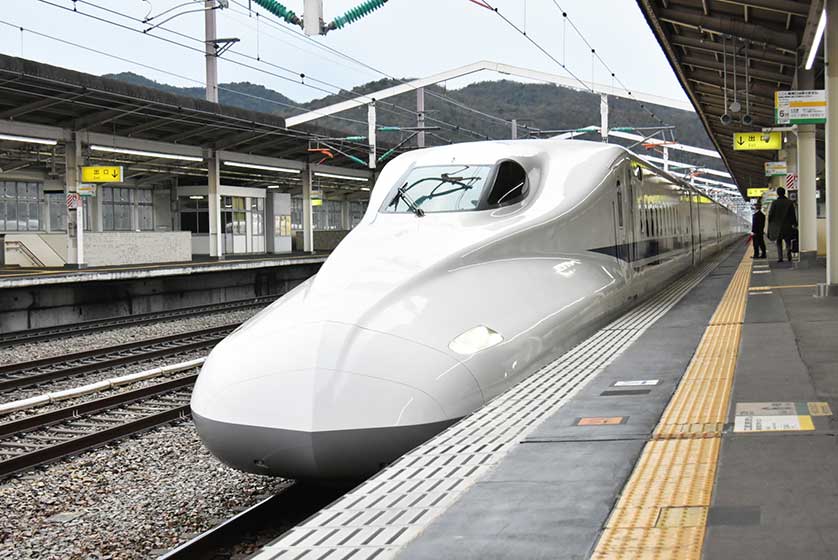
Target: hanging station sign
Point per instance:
(101, 174)
(800, 106)
(776, 168)
(757, 140)
(757, 192)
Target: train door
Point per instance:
(619, 213)
(628, 212)
(693, 227)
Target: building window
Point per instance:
(57, 203)
(20, 206)
(116, 209)
(145, 209)
(257, 215)
(194, 213)
(296, 213)
(357, 209)
(233, 213)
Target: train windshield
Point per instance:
(442, 188)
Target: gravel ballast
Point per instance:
(121, 335)
(130, 500)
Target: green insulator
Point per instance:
(356, 13)
(280, 11)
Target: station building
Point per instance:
(199, 179)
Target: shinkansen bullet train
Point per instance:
(474, 265)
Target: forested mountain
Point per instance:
(540, 106)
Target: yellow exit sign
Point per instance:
(101, 174)
(756, 193)
(757, 140)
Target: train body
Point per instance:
(474, 265)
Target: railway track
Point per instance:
(47, 437)
(37, 372)
(74, 329)
(259, 524)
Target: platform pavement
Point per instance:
(551, 496)
(776, 494)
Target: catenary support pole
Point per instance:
(308, 214)
(210, 51)
(831, 38)
(806, 173)
(420, 117)
(514, 129)
(603, 116)
(216, 247)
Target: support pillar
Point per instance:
(666, 159)
(216, 247)
(308, 213)
(806, 173)
(75, 216)
(371, 133)
(514, 129)
(420, 116)
(831, 51)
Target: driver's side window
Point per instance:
(510, 185)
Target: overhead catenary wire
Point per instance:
(299, 75)
(345, 56)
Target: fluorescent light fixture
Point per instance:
(144, 153)
(816, 42)
(474, 340)
(196, 197)
(345, 177)
(273, 186)
(365, 188)
(13, 138)
(262, 167)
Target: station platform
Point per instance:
(13, 277)
(698, 425)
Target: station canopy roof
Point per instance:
(774, 36)
(40, 94)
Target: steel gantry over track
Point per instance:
(419, 85)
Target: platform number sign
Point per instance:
(73, 201)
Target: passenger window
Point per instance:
(510, 185)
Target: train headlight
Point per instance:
(474, 340)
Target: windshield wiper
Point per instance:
(401, 192)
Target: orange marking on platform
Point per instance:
(600, 421)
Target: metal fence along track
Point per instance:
(384, 513)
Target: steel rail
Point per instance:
(96, 325)
(112, 428)
(27, 374)
(276, 514)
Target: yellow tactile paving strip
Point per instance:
(662, 511)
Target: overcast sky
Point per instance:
(406, 38)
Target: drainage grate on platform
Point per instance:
(383, 514)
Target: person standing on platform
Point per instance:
(758, 231)
(781, 223)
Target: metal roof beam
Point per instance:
(761, 54)
(779, 38)
(754, 73)
(780, 6)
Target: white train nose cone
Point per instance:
(330, 401)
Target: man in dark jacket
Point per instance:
(781, 222)
(758, 231)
